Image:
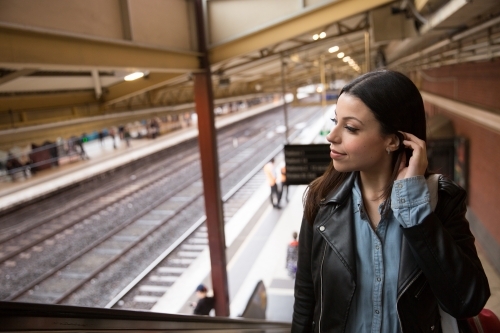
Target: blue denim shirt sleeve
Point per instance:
(410, 201)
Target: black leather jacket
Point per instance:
(439, 265)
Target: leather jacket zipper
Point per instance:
(401, 294)
(321, 279)
(321, 289)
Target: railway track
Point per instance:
(154, 281)
(81, 258)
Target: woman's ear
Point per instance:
(394, 142)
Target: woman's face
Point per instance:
(356, 141)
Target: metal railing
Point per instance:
(27, 317)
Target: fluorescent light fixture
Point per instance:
(315, 36)
(340, 55)
(133, 76)
(333, 49)
(322, 35)
(346, 59)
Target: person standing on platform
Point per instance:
(205, 303)
(127, 136)
(112, 134)
(155, 128)
(101, 136)
(284, 184)
(292, 254)
(79, 143)
(270, 171)
(373, 255)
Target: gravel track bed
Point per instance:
(102, 288)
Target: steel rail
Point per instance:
(91, 212)
(110, 234)
(98, 194)
(93, 245)
(194, 227)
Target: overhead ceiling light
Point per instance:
(322, 35)
(133, 76)
(333, 49)
(346, 59)
(340, 55)
(315, 36)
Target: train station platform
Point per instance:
(103, 157)
(256, 237)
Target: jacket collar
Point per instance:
(342, 192)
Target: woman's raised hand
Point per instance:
(418, 161)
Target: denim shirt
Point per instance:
(374, 306)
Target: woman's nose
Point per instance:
(332, 136)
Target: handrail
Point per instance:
(28, 317)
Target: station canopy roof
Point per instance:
(79, 53)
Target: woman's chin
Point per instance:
(341, 167)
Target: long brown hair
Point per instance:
(397, 105)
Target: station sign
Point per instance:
(304, 163)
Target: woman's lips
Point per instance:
(335, 154)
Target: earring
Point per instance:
(388, 151)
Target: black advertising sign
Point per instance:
(304, 163)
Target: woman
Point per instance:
(373, 257)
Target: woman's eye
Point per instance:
(351, 129)
(334, 121)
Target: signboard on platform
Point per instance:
(304, 163)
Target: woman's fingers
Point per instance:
(418, 161)
(412, 138)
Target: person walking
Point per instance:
(373, 255)
(270, 171)
(205, 303)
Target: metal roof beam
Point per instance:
(16, 74)
(42, 49)
(24, 102)
(124, 90)
(303, 23)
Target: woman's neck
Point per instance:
(373, 185)
(372, 189)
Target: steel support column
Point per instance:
(367, 52)
(323, 80)
(283, 92)
(210, 169)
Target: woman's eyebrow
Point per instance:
(352, 118)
